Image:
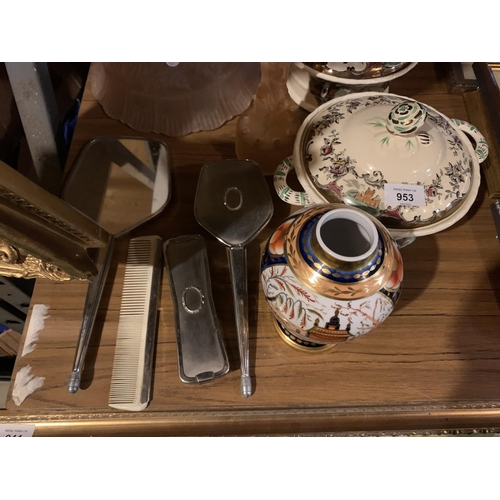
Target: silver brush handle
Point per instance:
(94, 294)
(238, 266)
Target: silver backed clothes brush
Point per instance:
(120, 183)
(200, 345)
(233, 203)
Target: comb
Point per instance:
(133, 363)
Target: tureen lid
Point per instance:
(357, 70)
(394, 157)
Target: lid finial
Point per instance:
(406, 118)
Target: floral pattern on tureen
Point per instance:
(362, 143)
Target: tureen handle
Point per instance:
(481, 148)
(285, 192)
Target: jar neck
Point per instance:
(345, 239)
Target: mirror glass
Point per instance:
(120, 182)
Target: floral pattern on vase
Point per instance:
(277, 240)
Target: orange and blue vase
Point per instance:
(330, 273)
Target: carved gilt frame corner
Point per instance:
(41, 236)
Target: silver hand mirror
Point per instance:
(120, 183)
(233, 204)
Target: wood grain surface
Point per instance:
(433, 364)
(9, 343)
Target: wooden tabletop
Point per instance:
(433, 365)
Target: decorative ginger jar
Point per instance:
(330, 273)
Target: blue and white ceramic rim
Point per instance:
(366, 226)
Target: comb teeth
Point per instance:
(139, 301)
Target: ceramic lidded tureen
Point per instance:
(361, 148)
